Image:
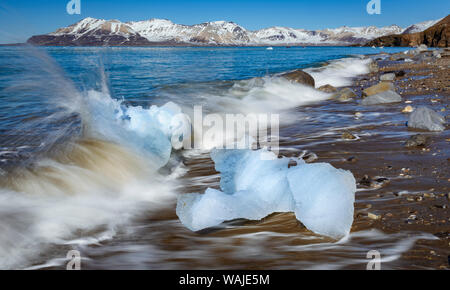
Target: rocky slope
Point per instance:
(437, 35)
(99, 32)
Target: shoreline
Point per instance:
(402, 191)
(402, 196)
(400, 187)
(193, 45)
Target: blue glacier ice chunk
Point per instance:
(324, 198)
(253, 187)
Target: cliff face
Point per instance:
(437, 35)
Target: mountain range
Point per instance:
(100, 32)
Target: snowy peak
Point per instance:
(218, 32)
(91, 25)
(365, 32)
(92, 31)
(419, 27)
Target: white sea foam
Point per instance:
(340, 72)
(276, 94)
(272, 94)
(90, 187)
(87, 193)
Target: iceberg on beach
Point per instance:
(253, 187)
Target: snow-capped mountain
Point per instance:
(419, 27)
(91, 31)
(218, 32)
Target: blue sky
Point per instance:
(20, 19)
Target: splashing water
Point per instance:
(88, 167)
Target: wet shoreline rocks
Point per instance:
(425, 118)
(328, 89)
(378, 88)
(416, 141)
(385, 97)
(300, 77)
(345, 94)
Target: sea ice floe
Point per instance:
(252, 187)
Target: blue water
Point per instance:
(135, 73)
(31, 78)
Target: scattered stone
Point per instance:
(397, 57)
(309, 156)
(352, 159)
(426, 119)
(346, 94)
(382, 98)
(367, 181)
(348, 136)
(408, 109)
(378, 88)
(442, 235)
(373, 216)
(327, 89)
(416, 140)
(300, 77)
(387, 77)
(422, 48)
(423, 57)
(411, 218)
(358, 115)
(373, 67)
(410, 52)
(436, 54)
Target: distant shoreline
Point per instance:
(189, 45)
